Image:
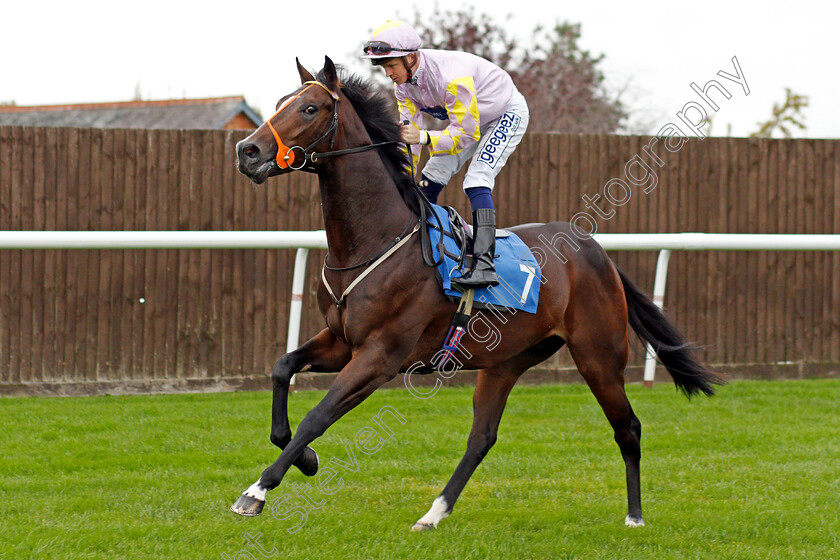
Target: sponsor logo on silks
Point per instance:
(437, 112)
(497, 143)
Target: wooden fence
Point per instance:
(131, 318)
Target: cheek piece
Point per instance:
(286, 155)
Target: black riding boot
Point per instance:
(482, 274)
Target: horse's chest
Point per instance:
(339, 323)
(335, 322)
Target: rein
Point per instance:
(314, 156)
(286, 160)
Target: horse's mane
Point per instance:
(377, 111)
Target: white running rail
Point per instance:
(303, 241)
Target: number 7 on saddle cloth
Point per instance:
(519, 272)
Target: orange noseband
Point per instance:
(285, 155)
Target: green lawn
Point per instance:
(751, 473)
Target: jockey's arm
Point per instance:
(463, 129)
(410, 113)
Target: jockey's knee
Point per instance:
(431, 189)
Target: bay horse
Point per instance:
(396, 315)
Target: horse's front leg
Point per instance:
(323, 352)
(365, 372)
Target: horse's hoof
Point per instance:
(308, 462)
(248, 506)
(633, 521)
(419, 527)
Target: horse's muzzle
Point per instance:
(253, 163)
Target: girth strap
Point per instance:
(340, 301)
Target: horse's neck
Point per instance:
(363, 209)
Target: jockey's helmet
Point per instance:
(390, 40)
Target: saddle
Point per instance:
(519, 272)
(461, 232)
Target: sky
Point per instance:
(93, 51)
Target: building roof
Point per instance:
(213, 113)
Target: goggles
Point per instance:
(380, 48)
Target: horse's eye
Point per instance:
(311, 109)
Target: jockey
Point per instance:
(486, 118)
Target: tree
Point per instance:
(784, 116)
(561, 82)
(138, 93)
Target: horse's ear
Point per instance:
(305, 75)
(331, 75)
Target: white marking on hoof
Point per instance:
(438, 512)
(255, 491)
(634, 521)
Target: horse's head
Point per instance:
(304, 119)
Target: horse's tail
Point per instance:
(673, 352)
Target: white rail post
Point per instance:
(305, 240)
(296, 305)
(658, 300)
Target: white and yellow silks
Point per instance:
(462, 111)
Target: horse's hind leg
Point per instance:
(323, 352)
(601, 360)
(491, 392)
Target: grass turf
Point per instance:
(751, 473)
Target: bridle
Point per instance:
(286, 157)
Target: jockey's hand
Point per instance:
(409, 133)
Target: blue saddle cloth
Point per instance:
(519, 273)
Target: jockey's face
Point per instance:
(395, 69)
